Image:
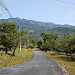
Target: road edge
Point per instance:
(20, 63)
(63, 69)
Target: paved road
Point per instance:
(40, 64)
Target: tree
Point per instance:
(62, 44)
(32, 44)
(8, 36)
(24, 37)
(15, 41)
(71, 45)
(39, 43)
(48, 42)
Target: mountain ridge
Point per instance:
(47, 24)
(37, 27)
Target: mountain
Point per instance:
(37, 27)
(61, 31)
(24, 22)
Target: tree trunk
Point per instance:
(14, 53)
(10, 48)
(61, 51)
(6, 50)
(66, 53)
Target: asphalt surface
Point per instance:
(40, 64)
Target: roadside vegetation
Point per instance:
(7, 60)
(10, 43)
(62, 45)
(60, 49)
(64, 61)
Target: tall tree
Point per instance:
(7, 36)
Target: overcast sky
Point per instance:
(41, 10)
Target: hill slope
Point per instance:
(37, 27)
(61, 31)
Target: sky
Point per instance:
(41, 10)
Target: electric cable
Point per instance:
(4, 6)
(66, 2)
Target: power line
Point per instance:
(3, 5)
(5, 8)
(66, 2)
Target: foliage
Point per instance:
(71, 45)
(48, 41)
(32, 44)
(9, 36)
(61, 44)
(41, 27)
(24, 38)
(9, 60)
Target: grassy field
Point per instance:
(65, 61)
(9, 60)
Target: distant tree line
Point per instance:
(64, 44)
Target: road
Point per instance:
(40, 64)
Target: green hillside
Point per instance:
(61, 31)
(36, 27)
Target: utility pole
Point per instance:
(20, 37)
(8, 12)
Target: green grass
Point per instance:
(65, 61)
(9, 60)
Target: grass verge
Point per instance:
(65, 61)
(9, 60)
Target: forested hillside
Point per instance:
(36, 27)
